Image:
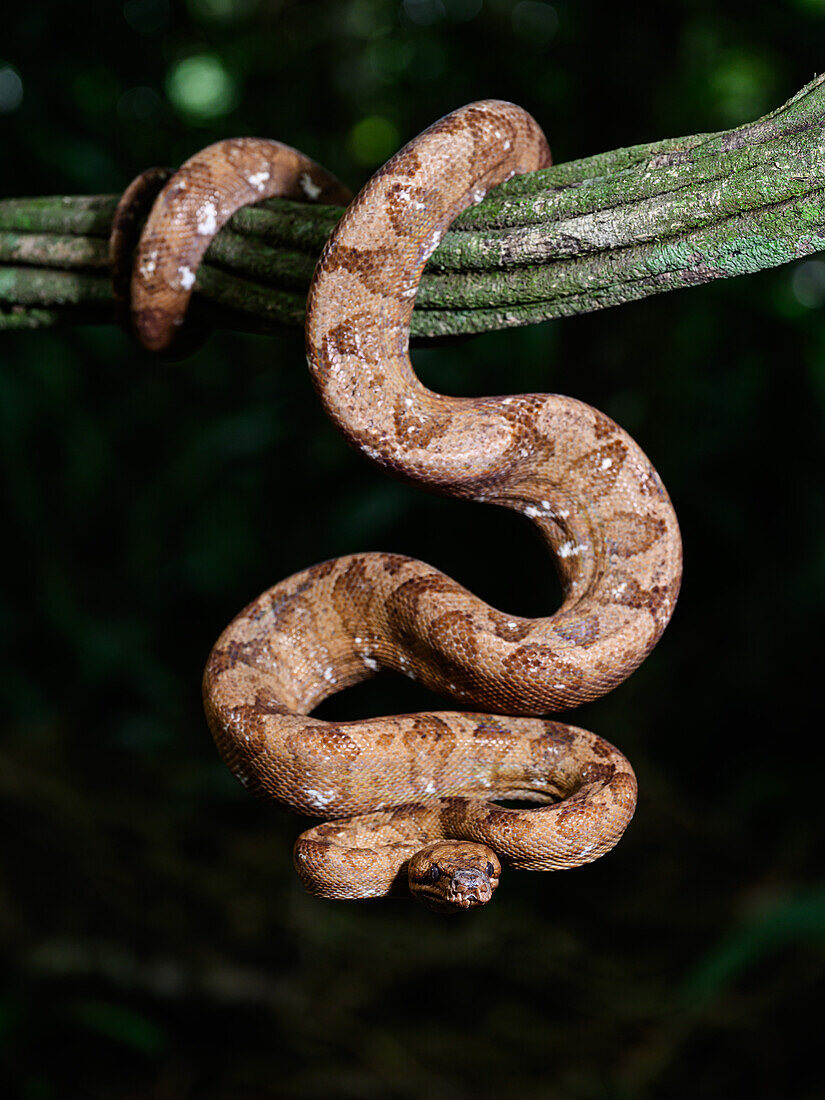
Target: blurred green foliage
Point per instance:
(157, 941)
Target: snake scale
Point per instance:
(412, 802)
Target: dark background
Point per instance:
(158, 943)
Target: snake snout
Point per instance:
(469, 887)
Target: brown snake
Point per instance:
(412, 799)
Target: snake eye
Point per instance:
(489, 870)
(435, 873)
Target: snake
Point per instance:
(427, 805)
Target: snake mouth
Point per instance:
(468, 889)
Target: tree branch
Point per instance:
(569, 239)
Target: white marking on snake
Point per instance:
(309, 187)
(319, 799)
(568, 549)
(147, 268)
(207, 219)
(258, 179)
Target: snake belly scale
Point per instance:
(411, 802)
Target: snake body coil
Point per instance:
(413, 798)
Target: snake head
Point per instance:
(449, 876)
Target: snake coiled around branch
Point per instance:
(412, 801)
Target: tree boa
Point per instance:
(412, 802)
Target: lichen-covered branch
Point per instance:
(569, 239)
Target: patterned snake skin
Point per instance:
(413, 800)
